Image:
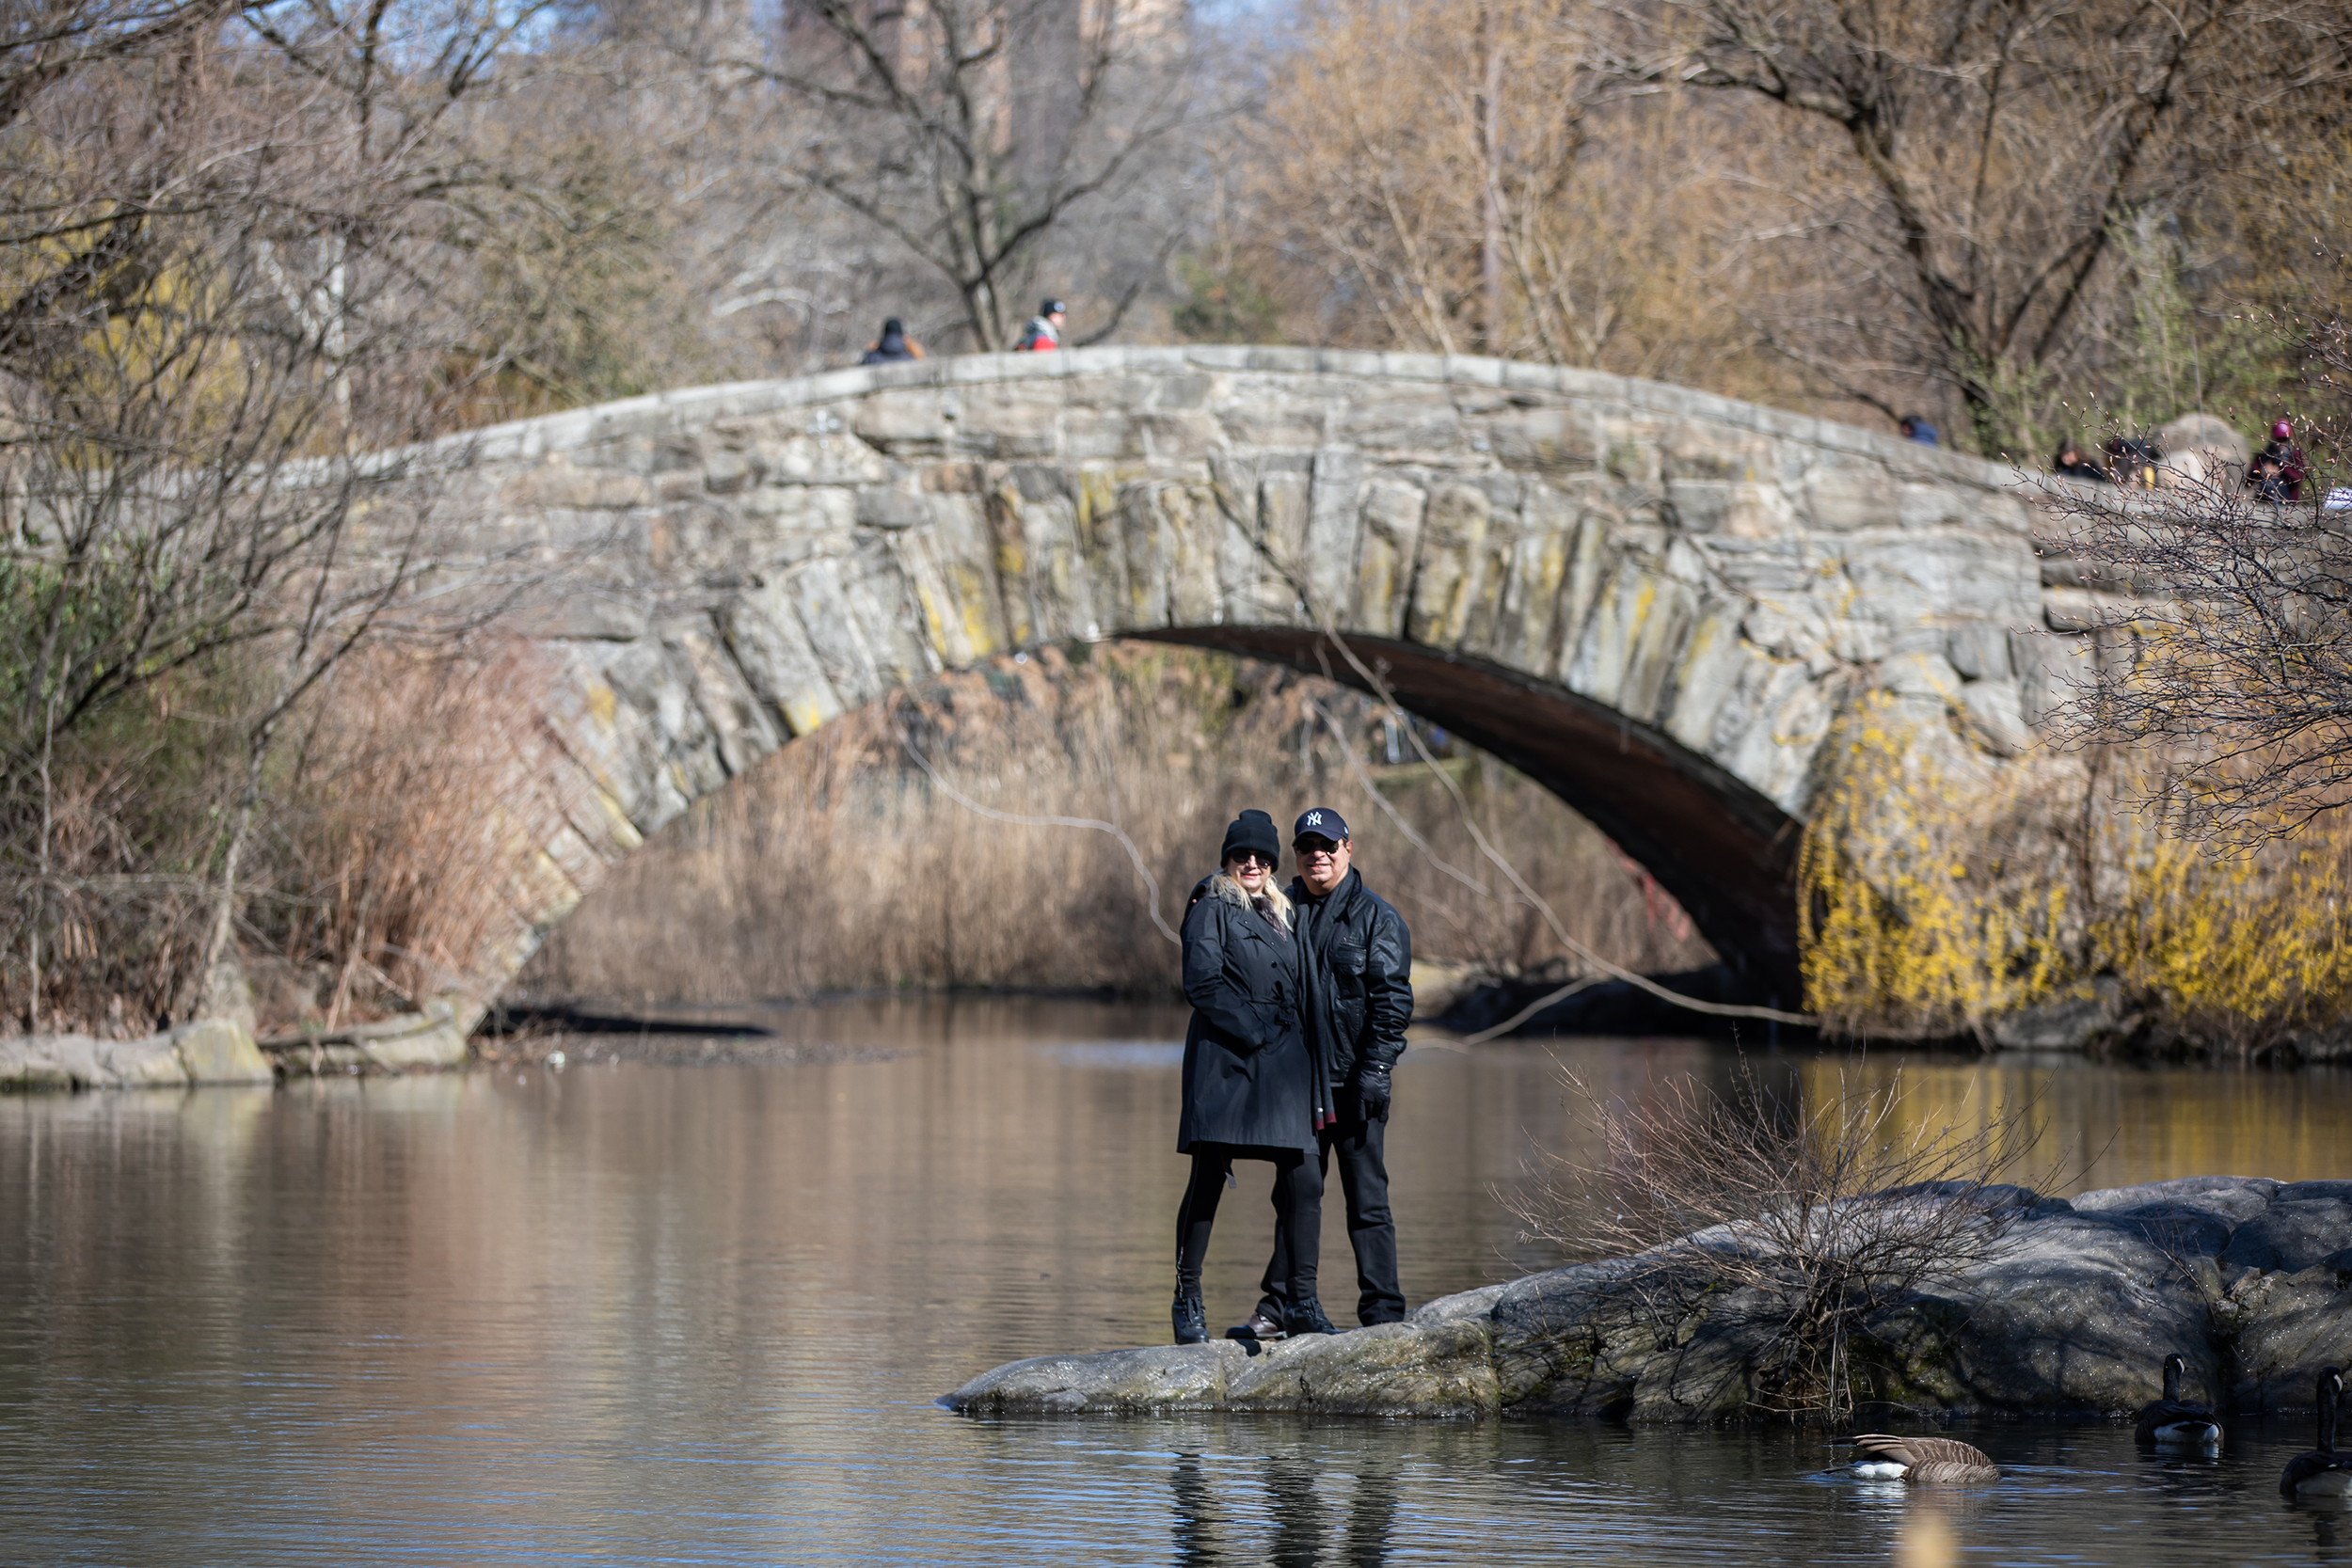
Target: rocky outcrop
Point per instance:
(2250, 1280)
(429, 1041)
(210, 1051)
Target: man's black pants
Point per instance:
(1359, 1145)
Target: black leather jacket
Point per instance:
(1360, 985)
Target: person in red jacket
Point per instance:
(2279, 471)
(1044, 332)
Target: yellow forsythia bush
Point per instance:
(1932, 903)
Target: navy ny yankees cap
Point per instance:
(1323, 822)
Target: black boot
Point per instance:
(1190, 1318)
(1306, 1316)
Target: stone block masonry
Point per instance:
(1655, 601)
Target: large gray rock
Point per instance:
(1395, 1370)
(2300, 1226)
(2076, 1017)
(221, 1051)
(1158, 1377)
(2073, 1313)
(2281, 1327)
(2077, 1313)
(2200, 449)
(210, 1051)
(431, 1040)
(82, 1062)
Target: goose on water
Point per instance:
(2322, 1472)
(2172, 1422)
(1921, 1461)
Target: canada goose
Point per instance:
(2171, 1422)
(1923, 1461)
(2322, 1472)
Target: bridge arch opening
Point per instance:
(1670, 805)
(1725, 853)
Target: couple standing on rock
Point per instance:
(1299, 1000)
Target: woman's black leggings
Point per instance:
(1297, 1211)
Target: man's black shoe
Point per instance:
(1190, 1318)
(1306, 1316)
(1260, 1326)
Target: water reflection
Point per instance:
(2110, 1126)
(634, 1314)
(1305, 1514)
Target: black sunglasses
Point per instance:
(1316, 846)
(1251, 857)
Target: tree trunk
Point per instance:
(221, 988)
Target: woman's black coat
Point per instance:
(1247, 1079)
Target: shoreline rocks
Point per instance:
(216, 1051)
(209, 1050)
(2249, 1278)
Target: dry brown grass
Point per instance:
(385, 873)
(397, 846)
(838, 865)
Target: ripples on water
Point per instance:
(634, 1314)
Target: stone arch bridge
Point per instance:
(1654, 601)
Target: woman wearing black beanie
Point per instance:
(1248, 1080)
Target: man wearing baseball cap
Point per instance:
(1358, 958)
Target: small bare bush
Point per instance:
(1783, 1219)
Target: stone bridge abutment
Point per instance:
(1654, 601)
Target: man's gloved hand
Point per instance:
(1372, 1090)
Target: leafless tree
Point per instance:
(1007, 144)
(1449, 206)
(2224, 636)
(1969, 168)
(227, 235)
(1787, 1219)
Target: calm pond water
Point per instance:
(639, 1313)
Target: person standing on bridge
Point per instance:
(892, 347)
(1248, 1077)
(1358, 957)
(2278, 471)
(1044, 333)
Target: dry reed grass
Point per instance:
(839, 865)
(385, 873)
(405, 813)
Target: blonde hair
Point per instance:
(1274, 894)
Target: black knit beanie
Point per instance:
(1252, 830)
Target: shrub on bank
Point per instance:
(390, 810)
(1936, 904)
